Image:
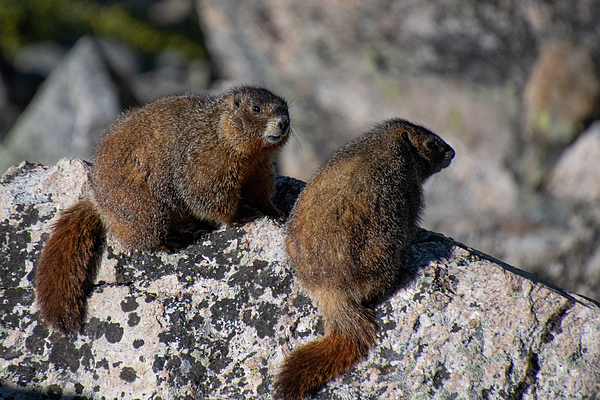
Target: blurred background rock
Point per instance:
(513, 86)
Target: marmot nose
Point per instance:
(450, 154)
(283, 122)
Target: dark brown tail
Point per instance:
(67, 266)
(348, 340)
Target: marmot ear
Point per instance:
(237, 99)
(405, 136)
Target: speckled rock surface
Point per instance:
(215, 319)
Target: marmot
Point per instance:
(208, 156)
(346, 237)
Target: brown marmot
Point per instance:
(206, 155)
(346, 237)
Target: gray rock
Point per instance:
(576, 176)
(125, 62)
(71, 110)
(556, 241)
(216, 319)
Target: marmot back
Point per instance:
(208, 156)
(346, 238)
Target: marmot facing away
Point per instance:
(346, 238)
(208, 156)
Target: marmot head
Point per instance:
(434, 152)
(431, 153)
(262, 117)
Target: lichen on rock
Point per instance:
(216, 318)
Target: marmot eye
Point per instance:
(430, 144)
(256, 109)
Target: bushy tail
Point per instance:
(67, 266)
(349, 337)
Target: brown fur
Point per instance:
(208, 156)
(346, 238)
(61, 287)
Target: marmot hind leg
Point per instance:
(143, 225)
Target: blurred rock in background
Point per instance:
(95, 59)
(512, 86)
(572, 177)
(70, 112)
